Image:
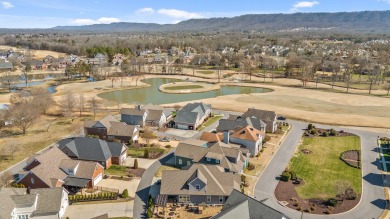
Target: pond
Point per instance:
(153, 96)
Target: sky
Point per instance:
(50, 13)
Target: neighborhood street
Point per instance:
(373, 199)
(117, 209)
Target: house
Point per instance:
(157, 116)
(134, 116)
(235, 123)
(248, 137)
(6, 66)
(198, 184)
(38, 65)
(54, 169)
(268, 117)
(231, 158)
(109, 128)
(192, 116)
(35, 203)
(93, 149)
(239, 205)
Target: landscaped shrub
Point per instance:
(333, 132)
(125, 193)
(243, 178)
(314, 131)
(308, 210)
(286, 176)
(310, 126)
(293, 175)
(251, 166)
(325, 134)
(332, 202)
(168, 146)
(267, 138)
(146, 153)
(149, 213)
(135, 164)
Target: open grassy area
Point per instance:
(139, 152)
(206, 72)
(117, 170)
(187, 87)
(162, 168)
(322, 170)
(210, 121)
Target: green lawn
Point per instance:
(386, 156)
(322, 170)
(210, 121)
(206, 72)
(183, 87)
(139, 152)
(117, 170)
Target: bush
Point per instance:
(333, 132)
(125, 193)
(267, 138)
(149, 213)
(146, 153)
(135, 164)
(168, 146)
(332, 202)
(314, 131)
(286, 176)
(310, 126)
(243, 178)
(308, 210)
(293, 175)
(325, 134)
(251, 166)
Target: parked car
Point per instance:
(164, 139)
(281, 118)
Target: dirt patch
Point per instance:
(306, 151)
(352, 158)
(136, 172)
(285, 192)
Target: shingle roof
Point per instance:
(154, 115)
(186, 117)
(211, 137)
(105, 122)
(248, 133)
(260, 114)
(90, 148)
(6, 65)
(235, 123)
(241, 206)
(49, 201)
(7, 204)
(132, 111)
(121, 129)
(190, 112)
(218, 181)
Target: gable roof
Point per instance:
(218, 182)
(260, 114)
(248, 133)
(49, 201)
(238, 122)
(211, 137)
(105, 122)
(239, 205)
(186, 117)
(154, 115)
(133, 111)
(90, 148)
(121, 129)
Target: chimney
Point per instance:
(28, 190)
(226, 137)
(138, 107)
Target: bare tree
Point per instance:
(81, 103)
(12, 148)
(42, 99)
(387, 87)
(23, 116)
(373, 75)
(137, 76)
(176, 107)
(68, 103)
(94, 106)
(5, 178)
(148, 135)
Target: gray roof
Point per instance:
(154, 115)
(90, 148)
(218, 182)
(132, 111)
(190, 112)
(121, 129)
(6, 65)
(105, 122)
(49, 201)
(76, 182)
(238, 122)
(241, 206)
(260, 114)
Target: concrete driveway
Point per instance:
(119, 209)
(131, 186)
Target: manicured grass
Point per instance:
(162, 168)
(206, 72)
(117, 170)
(210, 121)
(187, 87)
(139, 152)
(386, 156)
(322, 170)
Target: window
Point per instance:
(197, 187)
(220, 199)
(184, 198)
(208, 159)
(188, 162)
(32, 180)
(25, 216)
(216, 161)
(180, 161)
(209, 198)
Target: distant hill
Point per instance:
(366, 21)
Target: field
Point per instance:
(206, 72)
(187, 87)
(117, 170)
(210, 121)
(322, 170)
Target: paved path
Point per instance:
(373, 199)
(118, 209)
(141, 196)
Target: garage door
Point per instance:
(97, 179)
(179, 126)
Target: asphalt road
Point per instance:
(373, 199)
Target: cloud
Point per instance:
(102, 20)
(145, 11)
(7, 5)
(179, 13)
(304, 4)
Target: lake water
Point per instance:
(153, 96)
